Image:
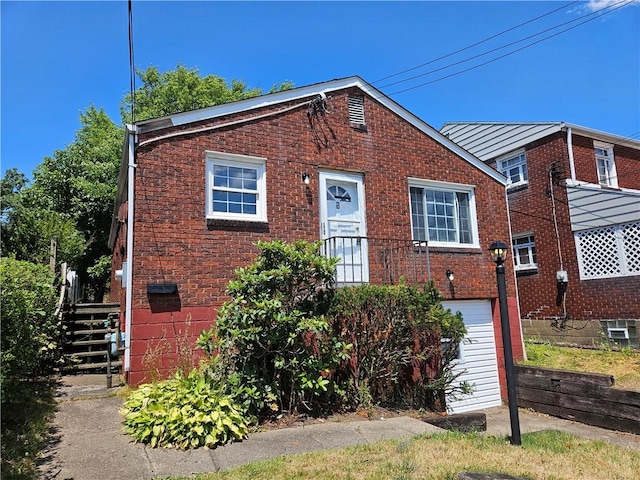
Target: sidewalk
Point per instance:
(89, 442)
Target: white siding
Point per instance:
(593, 207)
(479, 361)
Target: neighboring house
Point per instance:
(574, 203)
(336, 161)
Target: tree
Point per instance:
(11, 187)
(73, 191)
(71, 197)
(184, 89)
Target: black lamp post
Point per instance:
(498, 251)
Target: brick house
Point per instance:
(336, 161)
(574, 204)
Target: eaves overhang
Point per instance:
(324, 88)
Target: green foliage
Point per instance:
(184, 89)
(25, 426)
(31, 337)
(396, 334)
(183, 412)
(11, 186)
(71, 197)
(28, 234)
(273, 339)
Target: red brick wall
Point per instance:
(173, 242)
(531, 211)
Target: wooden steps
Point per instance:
(88, 334)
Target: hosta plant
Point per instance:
(183, 412)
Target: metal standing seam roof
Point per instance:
(489, 140)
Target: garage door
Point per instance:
(478, 360)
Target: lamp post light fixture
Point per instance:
(498, 251)
(449, 274)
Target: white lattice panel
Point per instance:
(598, 253)
(631, 242)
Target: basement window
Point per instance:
(356, 112)
(618, 333)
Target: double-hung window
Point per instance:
(443, 213)
(606, 165)
(524, 252)
(236, 187)
(514, 167)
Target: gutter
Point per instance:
(572, 164)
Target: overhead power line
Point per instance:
(610, 8)
(501, 47)
(132, 66)
(475, 44)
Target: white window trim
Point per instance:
(613, 175)
(509, 156)
(450, 187)
(528, 266)
(234, 160)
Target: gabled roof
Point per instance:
(488, 140)
(324, 88)
(301, 93)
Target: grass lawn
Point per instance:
(543, 455)
(624, 365)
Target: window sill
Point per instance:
(466, 250)
(525, 272)
(518, 187)
(235, 223)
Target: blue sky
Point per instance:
(60, 57)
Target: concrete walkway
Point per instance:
(88, 442)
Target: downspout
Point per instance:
(572, 165)
(513, 268)
(132, 131)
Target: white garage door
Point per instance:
(478, 360)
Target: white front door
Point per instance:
(342, 225)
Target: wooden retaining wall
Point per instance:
(584, 397)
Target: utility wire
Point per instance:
(625, 3)
(132, 66)
(474, 44)
(500, 47)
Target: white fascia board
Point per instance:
(122, 185)
(433, 133)
(603, 136)
(317, 89)
(249, 104)
(595, 186)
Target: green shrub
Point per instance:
(183, 412)
(31, 336)
(273, 343)
(397, 356)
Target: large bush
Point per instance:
(397, 356)
(31, 336)
(273, 343)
